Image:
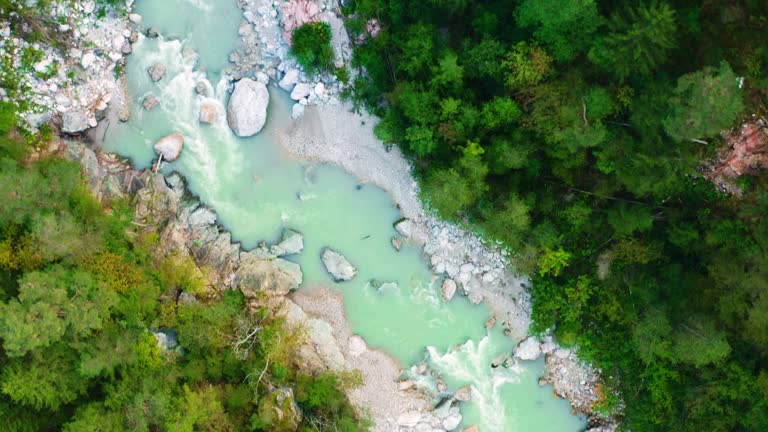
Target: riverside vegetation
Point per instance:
(574, 131)
(85, 293)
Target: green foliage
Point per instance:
(80, 298)
(564, 26)
(566, 133)
(638, 42)
(311, 46)
(704, 103)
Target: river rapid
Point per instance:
(257, 190)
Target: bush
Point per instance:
(312, 46)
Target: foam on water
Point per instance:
(255, 188)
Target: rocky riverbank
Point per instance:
(327, 131)
(77, 96)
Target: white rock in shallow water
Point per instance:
(247, 109)
(529, 349)
(291, 242)
(170, 146)
(290, 78)
(134, 18)
(448, 289)
(157, 71)
(297, 111)
(300, 91)
(452, 421)
(337, 265)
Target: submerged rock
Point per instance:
(157, 71)
(278, 409)
(170, 146)
(529, 349)
(150, 102)
(337, 265)
(247, 109)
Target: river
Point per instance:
(255, 188)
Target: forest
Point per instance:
(84, 296)
(582, 134)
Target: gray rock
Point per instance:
(463, 394)
(337, 265)
(208, 114)
(247, 109)
(152, 32)
(290, 78)
(452, 421)
(291, 242)
(274, 277)
(201, 88)
(529, 349)
(156, 72)
(448, 289)
(170, 146)
(300, 91)
(74, 122)
(167, 340)
(279, 410)
(187, 298)
(297, 110)
(150, 102)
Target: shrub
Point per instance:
(312, 46)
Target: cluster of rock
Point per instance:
(264, 52)
(75, 83)
(186, 225)
(471, 268)
(572, 379)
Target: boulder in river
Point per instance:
(529, 349)
(337, 265)
(291, 242)
(150, 102)
(74, 122)
(448, 289)
(247, 109)
(463, 394)
(208, 114)
(157, 71)
(170, 146)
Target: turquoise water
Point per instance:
(257, 190)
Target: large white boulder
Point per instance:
(247, 109)
(337, 265)
(528, 349)
(170, 146)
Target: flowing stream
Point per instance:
(255, 188)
